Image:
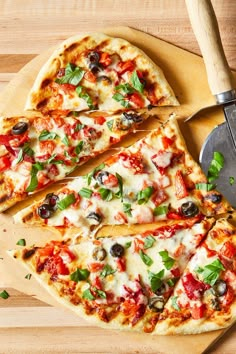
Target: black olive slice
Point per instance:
(189, 209)
(99, 253)
(134, 117)
(94, 57)
(156, 303)
(95, 216)
(101, 176)
(215, 304)
(95, 68)
(117, 250)
(220, 288)
(45, 211)
(20, 128)
(214, 198)
(52, 200)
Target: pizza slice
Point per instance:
(154, 179)
(37, 151)
(205, 296)
(120, 282)
(98, 72)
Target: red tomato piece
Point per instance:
(89, 76)
(172, 215)
(5, 163)
(105, 59)
(138, 245)
(47, 146)
(193, 287)
(67, 255)
(229, 297)
(54, 265)
(180, 187)
(5, 139)
(95, 267)
(124, 66)
(110, 181)
(159, 197)
(197, 312)
(68, 88)
(167, 142)
(97, 283)
(121, 218)
(210, 252)
(99, 120)
(133, 161)
(136, 99)
(53, 171)
(175, 272)
(228, 250)
(121, 264)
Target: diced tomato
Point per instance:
(91, 133)
(136, 99)
(193, 288)
(179, 251)
(105, 59)
(47, 146)
(162, 160)
(55, 266)
(5, 139)
(228, 250)
(173, 215)
(53, 171)
(46, 251)
(121, 218)
(167, 142)
(210, 252)
(68, 88)
(138, 245)
(133, 161)
(121, 264)
(180, 187)
(99, 120)
(140, 74)
(197, 312)
(175, 272)
(110, 181)
(167, 231)
(58, 120)
(89, 76)
(67, 255)
(5, 163)
(229, 297)
(124, 66)
(97, 283)
(42, 124)
(159, 197)
(95, 267)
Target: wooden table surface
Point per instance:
(29, 27)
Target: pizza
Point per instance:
(98, 72)
(154, 179)
(205, 297)
(120, 282)
(38, 151)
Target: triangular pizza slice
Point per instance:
(154, 179)
(38, 151)
(98, 72)
(205, 297)
(119, 282)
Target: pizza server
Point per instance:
(221, 143)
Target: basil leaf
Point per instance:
(85, 192)
(106, 194)
(149, 241)
(127, 209)
(66, 202)
(82, 94)
(107, 270)
(121, 99)
(216, 166)
(25, 150)
(172, 281)
(21, 242)
(28, 276)
(80, 274)
(160, 210)
(73, 75)
(231, 180)
(144, 195)
(124, 88)
(211, 272)
(65, 140)
(205, 186)
(156, 279)
(79, 147)
(34, 180)
(20, 156)
(100, 293)
(127, 244)
(145, 258)
(46, 135)
(4, 295)
(174, 303)
(90, 175)
(79, 127)
(88, 295)
(110, 124)
(119, 194)
(166, 259)
(136, 82)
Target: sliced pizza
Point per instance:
(154, 179)
(205, 296)
(37, 151)
(98, 72)
(122, 282)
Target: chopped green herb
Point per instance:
(160, 210)
(75, 113)
(211, 272)
(107, 270)
(110, 124)
(205, 186)
(166, 259)
(4, 295)
(174, 303)
(27, 150)
(85, 192)
(127, 244)
(46, 135)
(82, 94)
(80, 274)
(124, 88)
(127, 209)
(144, 195)
(119, 194)
(172, 281)
(121, 99)
(156, 279)
(66, 202)
(231, 180)
(79, 147)
(149, 241)
(79, 127)
(28, 276)
(145, 258)
(90, 175)
(99, 292)
(136, 82)
(21, 242)
(106, 194)
(34, 180)
(20, 156)
(65, 140)
(215, 167)
(73, 75)
(88, 295)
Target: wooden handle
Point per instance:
(205, 27)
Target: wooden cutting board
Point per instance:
(186, 74)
